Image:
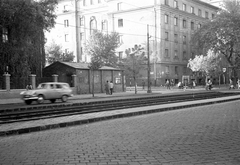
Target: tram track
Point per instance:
(44, 112)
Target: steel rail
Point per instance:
(36, 114)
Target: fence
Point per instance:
(17, 82)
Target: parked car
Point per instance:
(47, 91)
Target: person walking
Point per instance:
(111, 87)
(238, 83)
(168, 84)
(231, 84)
(29, 87)
(143, 84)
(194, 84)
(107, 87)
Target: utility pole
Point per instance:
(77, 31)
(149, 87)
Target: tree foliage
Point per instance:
(101, 47)
(208, 65)
(54, 53)
(22, 25)
(134, 62)
(221, 34)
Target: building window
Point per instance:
(176, 38)
(199, 26)
(91, 2)
(184, 39)
(184, 23)
(175, 4)
(167, 69)
(166, 18)
(81, 36)
(166, 2)
(66, 50)
(192, 10)
(120, 55)
(4, 35)
(104, 25)
(65, 8)
(166, 36)
(184, 7)
(199, 12)
(193, 55)
(184, 55)
(119, 6)
(66, 24)
(206, 14)
(81, 21)
(184, 70)
(213, 16)
(175, 21)
(192, 25)
(176, 70)
(93, 24)
(120, 39)
(84, 2)
(120, 22)
(166, 53)
(175, 53)
(66, 38)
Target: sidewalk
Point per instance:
(130, 91)
(59, 122)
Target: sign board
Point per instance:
(224, 69)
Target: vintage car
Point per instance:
(47, 91)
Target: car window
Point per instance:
(65, 86)
(58, 86)
(41, 86)
(52, 86)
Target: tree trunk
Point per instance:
(93, 83)
(135, 84)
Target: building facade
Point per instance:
(169, 23)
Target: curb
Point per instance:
(97, 119)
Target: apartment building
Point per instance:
(169, 23)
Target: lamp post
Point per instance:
(149, 88)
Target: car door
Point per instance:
(59, 90)
(50, 92)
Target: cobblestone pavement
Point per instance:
(206, 135)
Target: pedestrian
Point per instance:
(107, 87)
(172, 83)
(194, 84)
(111, 87)
(28, 87)
(231, 84)
(168, 84)
(143, 84)
(238, 82)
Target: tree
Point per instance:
(101, 47)
(22, 25)
(134, 62)
(54, 53)
(209, 65)
(221, 34)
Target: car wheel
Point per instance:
(53, 100)
(28, 102)
(64, 98)
(40, 99)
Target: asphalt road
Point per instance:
(199, 135)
